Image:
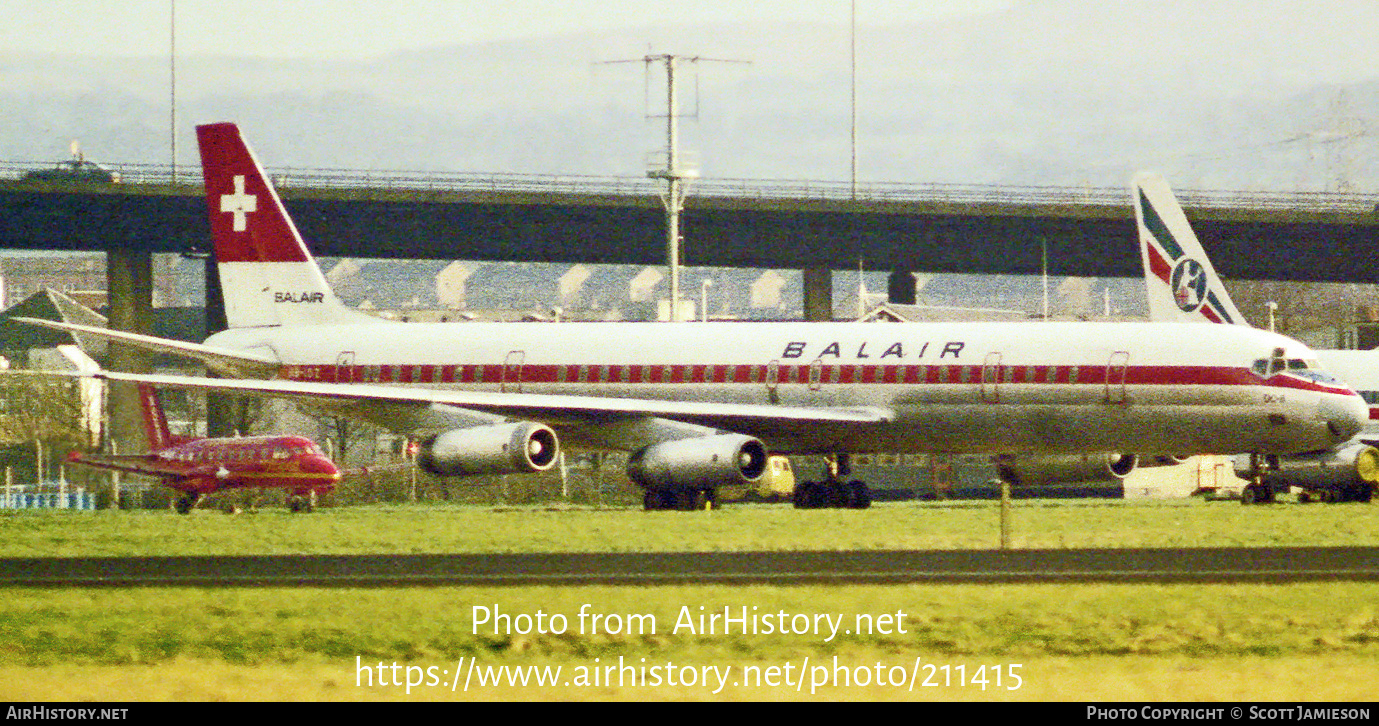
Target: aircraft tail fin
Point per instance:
(1181, 283)
(267, 275)
(155, 421)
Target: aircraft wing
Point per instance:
(222, 360)
(399, 403)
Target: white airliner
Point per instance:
(700, 405)
(1183, 286)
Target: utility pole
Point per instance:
(172, 82)
(852, 56)
(674, 173)
(675, 176)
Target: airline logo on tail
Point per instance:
(266, 271)
(1182, 286)
(239, 204)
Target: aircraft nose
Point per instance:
(320, 465)
(1344, 415)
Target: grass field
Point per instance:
(1071, 642)
(382, 529)
(1078, 642)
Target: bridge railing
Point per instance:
(759, 189)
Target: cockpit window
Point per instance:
(1307, 368)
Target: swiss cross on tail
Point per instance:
(1180, 281)
(239, 204)
(248, 220)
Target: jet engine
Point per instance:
(1036, 470)
(1348, 473)
(703, 463)
(497, 449)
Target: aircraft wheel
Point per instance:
(303, 503)
(836, 495)
(859, 495)
(815, 494)
(1304, 498)
(185, 503)
(651, 500)
(1364, 492)
(800, 498)
(1327, 496)
(1250, 494)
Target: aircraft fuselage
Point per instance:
(1000, 388)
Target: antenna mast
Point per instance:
(675, 175)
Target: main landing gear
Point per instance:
(684, 500)
(186, 503)
(832, 492)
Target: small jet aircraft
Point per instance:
(196, 467)
(1183, 286)
(699, 406)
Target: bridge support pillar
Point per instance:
(226, 415)
(900, 287)
(129, 285)
(818, 294)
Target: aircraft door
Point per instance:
(1115, 377)
(772, 381)
(512, 371)
(991, 378)
(344, 367)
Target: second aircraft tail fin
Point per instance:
(155, 421)
(1182, 285)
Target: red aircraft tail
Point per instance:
(267, 275)
(155, 422)
(248, 221)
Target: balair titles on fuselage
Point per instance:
(865, 350)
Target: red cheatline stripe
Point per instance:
(794, 374)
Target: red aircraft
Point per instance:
(200, 466)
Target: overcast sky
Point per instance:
(1214, 94)
(361, 29)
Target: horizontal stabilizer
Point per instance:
(221, 360)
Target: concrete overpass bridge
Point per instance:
(813, 226)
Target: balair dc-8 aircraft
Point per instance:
(1182, 286)
(701, 405)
